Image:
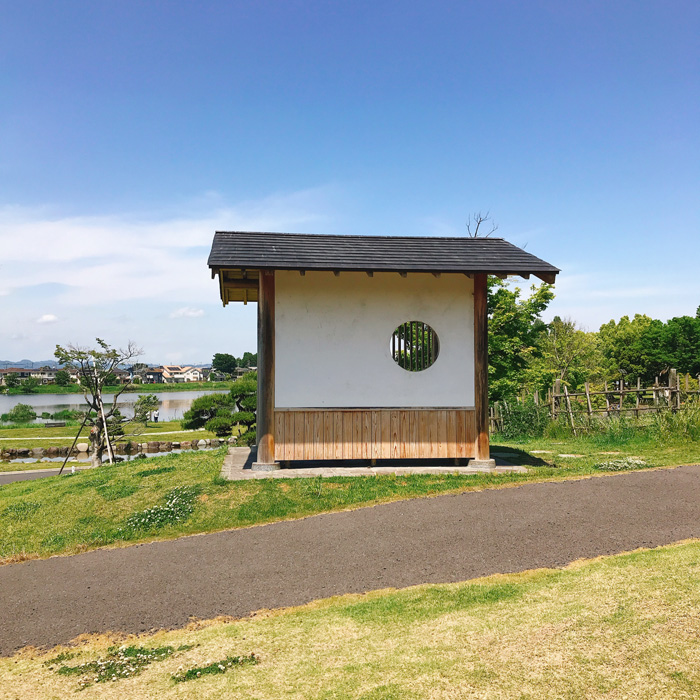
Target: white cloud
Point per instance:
(47, 318)
(187, 312)
(110, 258)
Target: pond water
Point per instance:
(172, 403)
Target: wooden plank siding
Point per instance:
(303, 434)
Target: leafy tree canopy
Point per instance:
(223, 362)
(62, 377)
(515, 330)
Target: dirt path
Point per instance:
(442, 539)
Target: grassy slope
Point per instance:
(625, 627)
(85, 510)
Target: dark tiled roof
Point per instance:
(302, 251)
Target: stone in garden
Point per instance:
(185, 445)
(82, 447)
(202, 443)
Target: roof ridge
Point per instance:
(368, 236)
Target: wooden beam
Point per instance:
(403, 274)
(481, 367)
(436, 274)
(370, 273)
(548, 277)
(265, 419)
(240, 284)
(336, 273)
(302, 272)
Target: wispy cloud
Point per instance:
(187, 312)
(111, 258)
(47, 318)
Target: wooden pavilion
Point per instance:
(369, 347)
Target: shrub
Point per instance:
(204, 409)
(67, 414)
(683, 424)
(219, 413)
(221, 425)
(523, 418)
(21, 413)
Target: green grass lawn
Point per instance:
(625, 626)
(89, 509)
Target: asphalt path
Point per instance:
(427, 540)
(29, 474)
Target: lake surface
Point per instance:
(172, 403)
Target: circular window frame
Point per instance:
(423, 348)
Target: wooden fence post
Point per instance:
(568, 407)
(555, 398)
(622, 393)
(588, 400)
(672, 381)
(639, 388)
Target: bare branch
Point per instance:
(476, 221)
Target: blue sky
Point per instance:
(130, 131)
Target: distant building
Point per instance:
(153, 375)
(21, 372)
(240, 371)
(175, 374)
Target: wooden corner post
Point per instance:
(266, 371)
(481, 371)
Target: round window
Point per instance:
(414, 346)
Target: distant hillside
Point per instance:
(28, 364)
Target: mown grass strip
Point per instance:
(624, 626)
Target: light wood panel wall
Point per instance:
(374, 434)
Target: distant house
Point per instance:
(153, 375)
(240, 371)
(44, 375)
(175, 374)
(21, 372)
(123, 377)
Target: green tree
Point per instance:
(12, 380)
(29, 385)
(94, 366)
(515, 331)
(220, 413)
(627, 349)
(223, 362)
(566, 353)
(249, 359)
(144, 406)
(62, 378)
(21, 413)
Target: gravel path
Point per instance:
(441, 539)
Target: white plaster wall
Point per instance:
(333, 339)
